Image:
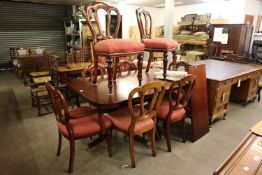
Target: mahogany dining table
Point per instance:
(98, 95)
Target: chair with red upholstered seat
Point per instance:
(106, 44)
(172, 109)
(136, 119)
(163, 45)
(76, 124)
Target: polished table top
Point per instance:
(222, 70)
(98, 95)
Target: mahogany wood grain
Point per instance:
(199, 102)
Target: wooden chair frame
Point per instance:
(60, 104)
(145, 33)
(179, 95)
(97, 35)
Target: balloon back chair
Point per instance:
(152, 45)
(106, 44)
(173, 107)
(76, 124)
(137, 118)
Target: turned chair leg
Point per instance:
(109, 142)
(72, 156)
(59, 144)
(132, 151)
(149, 61)
(153, 142)
(183, 131)
(168, 137)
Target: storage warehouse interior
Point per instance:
(131, 87)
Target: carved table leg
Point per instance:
(109, 73)
(139, 66)
(165, 64)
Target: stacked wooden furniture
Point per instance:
(193, 34)
(227, 80)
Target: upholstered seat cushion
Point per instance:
(163, 109)
(82, 111)
(121, 46)
(160, 43)
(84, 126)
(121, 120)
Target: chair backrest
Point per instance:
(90, 71)
(50, 90)
(180, 92)
(144, 21)
(157, 89)
(92, 18)
(211, 51)
(60, 107)
(82, 55)
(125, 65)
(185, 65)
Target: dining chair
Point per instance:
(152, 45)
(106, 44)
(76, 124)
(173, 107)
(136, 118)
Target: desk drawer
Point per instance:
(223, 95)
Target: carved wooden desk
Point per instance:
(227, 80)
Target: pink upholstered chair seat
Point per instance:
(121, 120)
(115, 46)
(84, 126)
(82, 111)
(177, 114)
(160, 43)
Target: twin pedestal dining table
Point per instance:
(98, 96)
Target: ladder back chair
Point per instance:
(137, 118)
(152, 45)
(107, 45)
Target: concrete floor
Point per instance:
(28, 143)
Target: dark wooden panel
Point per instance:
(239, 37)
(200, 121)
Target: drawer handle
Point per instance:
(223, 97)
(238, 83)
